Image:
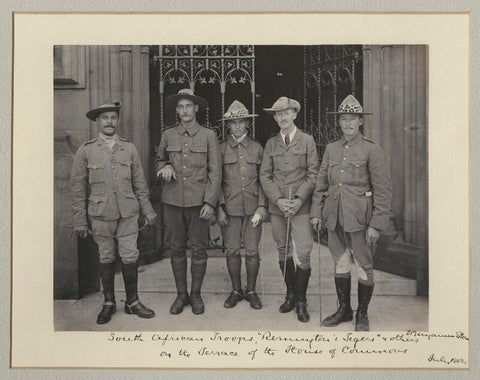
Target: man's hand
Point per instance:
(295, 205)
(284, 205)
(206, 212)
(150, 219)
(316, 223)
(372, 235)
(81, 231)
(167, 173)
(222, 218)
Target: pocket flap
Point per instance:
(229, 158)
(358, 163)
(198, 148)
(97, 198)
(174, 148)
(253, 159)
(96, 166)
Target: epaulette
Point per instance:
(367, 139)
(274, 135)
(121, 138)
(170, 126)
(90, 141)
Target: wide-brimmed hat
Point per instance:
(236, 111)
(107, 106)
(185, 93)
(350, 106)
(282, 104)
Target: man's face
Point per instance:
(285, 118)
(186, 110)
(350, 125)
(238, 127)
(108, 122)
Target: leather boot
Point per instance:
(252, 264)
(364, 296)
(107, 275)
(301, 284)
(234, 266)
(198, 269)
(344, 312)
(179, 268)
(288, 273)
(133, 305)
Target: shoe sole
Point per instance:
(328, 324)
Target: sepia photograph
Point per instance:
(270, 199)
(251, 263)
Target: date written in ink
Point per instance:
(435, 358)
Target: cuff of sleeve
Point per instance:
(379, 222)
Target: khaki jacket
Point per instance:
(195, 158)
(108, 184)
(241, 192)
(355, 178)
(294, 167)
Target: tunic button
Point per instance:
(184, 178)
(341, 171)
(113, 167)
(186, 144)
(344, 158)
(114, 179)
(241, 156)
(243, 167)
(243, 177)
(184, 155)
(339, 184)
(184, 167)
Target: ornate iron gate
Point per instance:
(212, 71)
(331, 72)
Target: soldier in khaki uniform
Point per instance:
(108, 190)
(352, 198)
(242, 204)
(288, 174)
(189, 162)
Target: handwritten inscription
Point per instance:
(271, 346)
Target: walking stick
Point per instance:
(287, 238)
(319, 276)
(261, 266)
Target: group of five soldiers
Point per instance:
(241, 184)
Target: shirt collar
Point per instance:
(191, 131)
(233, 142)
(355, 140)
(108, 139)
(291, 135)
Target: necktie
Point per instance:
(287, 140)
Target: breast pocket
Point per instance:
(359, 171)
(332, 168)
(199, 155)
(174, 152)
(96, 173)
(278, 160)
(253, 160)
(124, 169)
(300, 157)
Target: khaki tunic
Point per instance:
(111, 180)
(241, 192)
(353, 186)
(295, 167)
(195, 158)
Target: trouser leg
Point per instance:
(198, 232)
(176, 244)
